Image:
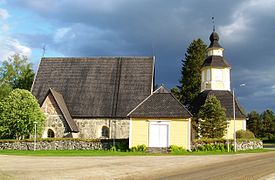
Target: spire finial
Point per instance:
(213, 22)
(44, 50)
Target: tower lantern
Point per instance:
(215, 69)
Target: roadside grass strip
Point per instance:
(117, 153)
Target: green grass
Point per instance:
(111, 153)
(69, 153)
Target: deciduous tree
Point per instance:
(18, 112)
(16, 72)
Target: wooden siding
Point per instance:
(178, 130)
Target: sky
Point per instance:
(161, 28)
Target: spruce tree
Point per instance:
(254, 123)
(190, 82)
(268, 123)
(212, 119)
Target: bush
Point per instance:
(244, 134)
(139, 148)
(174, 148)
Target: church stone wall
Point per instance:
(89, 128)
(92, 128)
(54, 118)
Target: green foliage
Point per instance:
(139, 148)
(113, 148)
(212, 119)
(214, 147)
(5, 89)
(254, 123)
(268, 124)
(190, 82)
(244, 134)
(18, 112)
(174, 148)
(176, 92)
(15, 72)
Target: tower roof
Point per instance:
(215, 61)
(214, 38)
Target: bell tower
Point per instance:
(215, 70)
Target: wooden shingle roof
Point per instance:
(96, 86)
(215, 61)
(161, 104)
(226, 99)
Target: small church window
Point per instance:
(50, 133)
(105, 132)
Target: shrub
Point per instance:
(244, 134)
(174, 148)
(139, 148)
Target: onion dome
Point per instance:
(214, 38)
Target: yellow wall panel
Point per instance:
(139, 133)
(178, 131)
(240, 123)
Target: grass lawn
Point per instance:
(111, 153)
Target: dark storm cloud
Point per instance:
(141, 27)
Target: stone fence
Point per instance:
(63, 144)
(241, 144)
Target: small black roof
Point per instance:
(214, 39)
(226, 99)
(161, 104)
(96, 86)
(215, 61)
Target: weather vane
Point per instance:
(213, 22)
(44, 50)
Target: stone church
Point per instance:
(91, 97)
(99, 97)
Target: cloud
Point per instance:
(4, 14)
(8, 44)
(136, 27)
(63, 33)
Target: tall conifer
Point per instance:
(212, 123)
(190, 82)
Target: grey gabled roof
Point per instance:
(226, 99)
(161, 104)
(64, 110)
(96, 86)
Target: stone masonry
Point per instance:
(88, 128)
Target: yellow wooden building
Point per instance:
(160, 121)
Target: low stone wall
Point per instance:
(68, 144)
(241, 144)
(246, 144)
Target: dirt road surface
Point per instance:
(241, 166)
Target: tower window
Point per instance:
(50, 133)
(208, 74)
(217, 74)
(105, 132)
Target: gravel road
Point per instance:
(131, 167)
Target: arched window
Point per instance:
(105, 132)
(50, 133)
